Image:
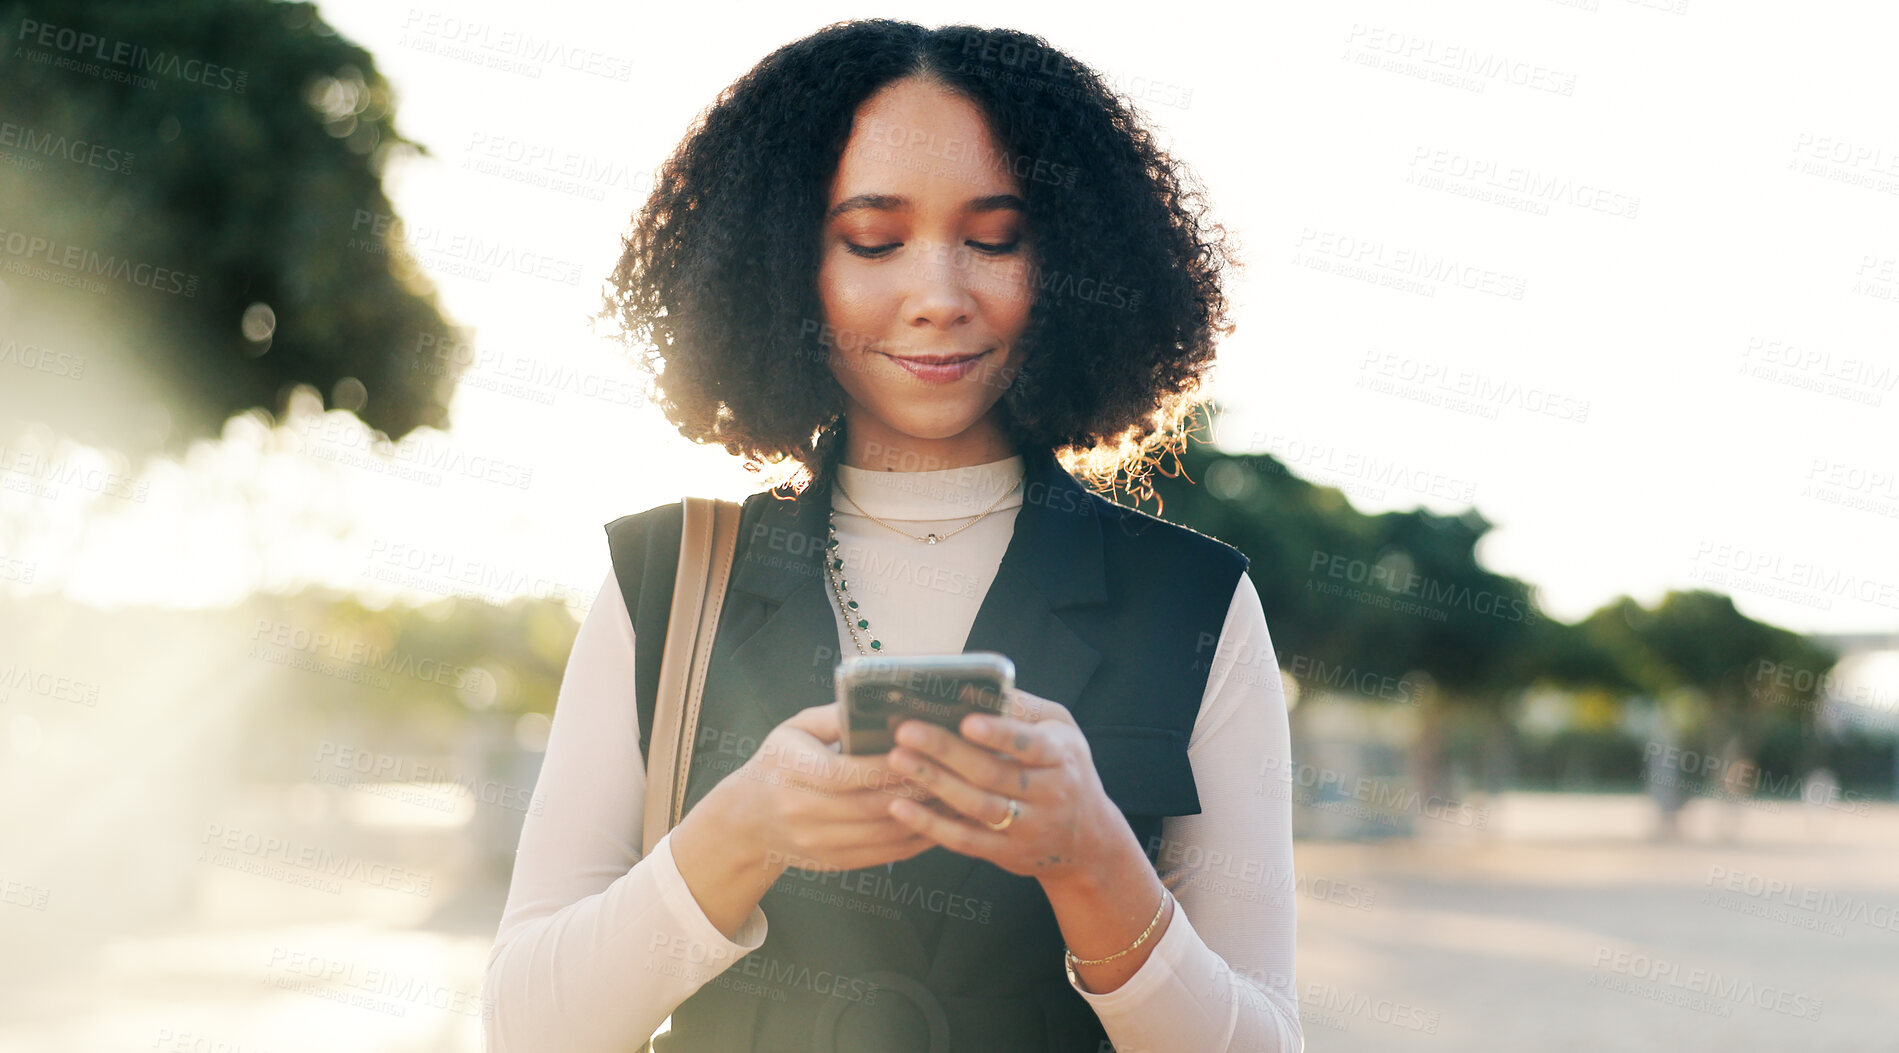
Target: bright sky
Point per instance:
(1623, 274)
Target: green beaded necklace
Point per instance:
(834, 568)
(834, 565)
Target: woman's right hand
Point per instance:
(815, 808)
(795, 802)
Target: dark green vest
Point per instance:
(1109, 611)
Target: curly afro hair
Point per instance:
(716, 289)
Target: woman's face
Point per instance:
(924, 277)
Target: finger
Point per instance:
(820, 722)
(874, 804)
(880, 854)
(928, 769)
(935, 804)
(868, 777)
(1032, 708)
(976, 765)
(808, 763)
(969, 801)
(955, 835)
(869, 833)
(1020, 742)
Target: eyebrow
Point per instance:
(895, 203)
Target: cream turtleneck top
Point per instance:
(919, 598)
(575, 967)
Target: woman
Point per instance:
(914, 264)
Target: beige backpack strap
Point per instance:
(707, 544)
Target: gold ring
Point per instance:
(1014, 810)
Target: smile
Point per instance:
(937, 369)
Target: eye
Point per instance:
(871, 251)
(994, 250)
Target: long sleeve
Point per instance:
(597, 946)
(1221, 978)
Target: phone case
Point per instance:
(877, 692)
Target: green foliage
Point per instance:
(245, 153)
(1867, 764)
(1376, 595)
(1354, 597)
(1697, 642)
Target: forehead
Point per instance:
(918, 140)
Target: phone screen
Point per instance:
(885, 698)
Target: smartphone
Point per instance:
(877, 692)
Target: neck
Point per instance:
(873, 447)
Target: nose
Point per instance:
(939, 292)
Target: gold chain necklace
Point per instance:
(854, 618)
(931, 538)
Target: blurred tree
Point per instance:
(1400, 594)
(1694, 643)
(1602, 651)
(1367, 596)
(1733, 661)
(191, 209)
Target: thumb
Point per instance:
(820, 722)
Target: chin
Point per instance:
(934, 428)
(932, 423)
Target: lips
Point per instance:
(937, 369)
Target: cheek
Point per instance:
(853, 300)
(1009, 292)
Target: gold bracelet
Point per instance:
(1074, 961)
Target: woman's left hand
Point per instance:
(1036, 755)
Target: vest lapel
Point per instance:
(1054, 560)
(779, 608)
